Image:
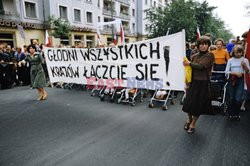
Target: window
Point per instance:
(1, 7)
(151, 2)
(98, 3)
(133, 26)
(90, 41)
(7, 38)
(109, 41)
(89, 17)
(133, 12)
(146, 2)
(30, 9)
(126, 40)
(99, 19)
(64, 41)
(77, 15)
(154, 4)
(63, 12)
(78, 39)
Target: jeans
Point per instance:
(235, 96)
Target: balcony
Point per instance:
(125, 16)
(108, 12)
(127, 30)
(8, 8)
(107, 29)
(126, 2)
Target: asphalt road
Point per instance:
(72, 128)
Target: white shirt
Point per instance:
(234, 65)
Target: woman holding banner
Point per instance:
(198, 100)
(37, 76)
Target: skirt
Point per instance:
(198, 99)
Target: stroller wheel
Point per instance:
(102, 97)
(150, 105)
(133, 103)
(164, 108)
(172, 102)
(224, 109)
(92, 94)
(119, 100)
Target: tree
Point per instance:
(188, 15)
(179, 15)
(248, 9)
(60, 26)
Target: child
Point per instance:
(235, 69)
(128, 92)
(161, 94)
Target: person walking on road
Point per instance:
(237, 66)
(37, 75)
(198, 100)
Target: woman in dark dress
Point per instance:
(37, 76)
(198, 100)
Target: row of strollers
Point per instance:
(218, 84)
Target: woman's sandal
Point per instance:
(191, 130)
(44, 97)
(186, 126)
(39, 98)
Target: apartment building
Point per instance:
(23, 13)
(83, 16)
(142, 7)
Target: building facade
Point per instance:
(24, 13)
(83, 16)
(142, 23)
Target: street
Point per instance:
(72, 128)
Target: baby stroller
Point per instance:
(129, 96)
(95, 89)
(107, 91)
(218, 87)
(165, 95)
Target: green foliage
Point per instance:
(188, 15)
(60, 26)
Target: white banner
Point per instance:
(149, 64)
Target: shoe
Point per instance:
(242, 108)
(186, 126)
(44, 97)
(126, 100)
(39, 98)
(191, 130)
(230, 117)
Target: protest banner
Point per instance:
(150, 64)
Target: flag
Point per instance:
(122, 34)
(198, 34)
(98, 37)
(21, 31)
(115, 40)
(248, 57)
(168, 32)
(48, 39)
